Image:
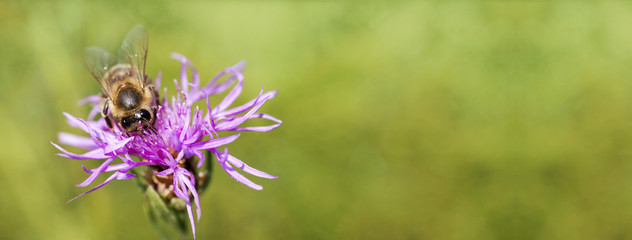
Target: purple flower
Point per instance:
(181, 132)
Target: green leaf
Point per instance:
(140, 180)
(169, 224)
(207, 173)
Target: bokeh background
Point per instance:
(402, 120)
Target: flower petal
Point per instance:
(230, 125)
(76, 141)
(191, 188)
(94, 112)
(262, 128)
(125, 176)
(182, 184)
(201, 158)
(94, 99)
(112, 177)
(113, 147)
(214, 142)
(233, 173)
(157, 81)
(110, 168)
(232, 95)
(164, 172)
(94, 154)
(95, 173)
(248, 105)
(241, 165)
(80, 123)
(212, 88)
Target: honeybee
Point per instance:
(130, 99)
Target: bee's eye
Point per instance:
(125, 122)
(144, 114)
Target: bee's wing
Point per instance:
(134, 51)
(99, 61)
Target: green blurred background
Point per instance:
(407, 120)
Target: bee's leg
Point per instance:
(104, 113)
(149, 83)
(109, 123)
(156, 95)
(151, 128)
(154, 110)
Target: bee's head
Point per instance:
(131, 123)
